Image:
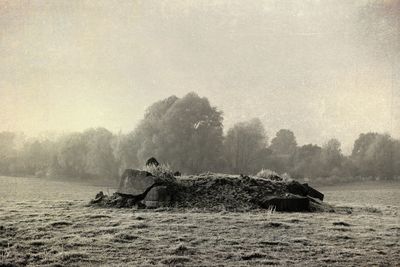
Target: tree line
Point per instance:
(187, 133)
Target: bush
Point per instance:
(162, 170)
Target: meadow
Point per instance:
(48, 223)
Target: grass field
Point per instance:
(48, 223)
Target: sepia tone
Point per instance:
(200, 133)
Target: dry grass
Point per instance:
(266, 173)
(272, 175)
(53, 230)
(162, 170)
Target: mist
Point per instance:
(199, 133)
(324, 69)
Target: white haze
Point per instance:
(315, 67)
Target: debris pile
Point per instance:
(211, 191)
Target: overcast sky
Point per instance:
(320, 68)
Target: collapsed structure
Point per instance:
(212, 191)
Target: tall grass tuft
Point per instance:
(286, 177)
(267, 174)
(272, 175)
(270, 210)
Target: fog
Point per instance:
(199, 132)
(323, 69)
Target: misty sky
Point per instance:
(320, 68)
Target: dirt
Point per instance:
(216, 192)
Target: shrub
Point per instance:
(162, 170)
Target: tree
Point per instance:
(37, 157)
(332, 157)
(71, 156)
(283, 147)
(8, 151)
(186, 133)
(125, 148)
(192, 135)
(100, 160)
(145, 140)
(396, 159)
(307, 161)
(243, 146)
(85, 155)
(284, 143)
(375, 155)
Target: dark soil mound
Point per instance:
(224, 192)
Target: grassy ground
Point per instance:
(47, 223)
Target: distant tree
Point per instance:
(37, 157)
(8, 151)
(307, 161)
(85, 155)
(382, 152)
(283, 147)
(192, 135)
(362, 144)
(71, 156)
(186, 133)
(374, 155)
(332, 157)
(145, 140)
(284, 143)
(396, 159)
(359, 154)
(100, 160)
(7, 143)
(244, 144)
(126, 147)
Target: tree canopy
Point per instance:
(187, 133)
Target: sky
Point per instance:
(324, 69)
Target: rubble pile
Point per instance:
(211, 191)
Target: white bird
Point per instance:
(197, 124)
